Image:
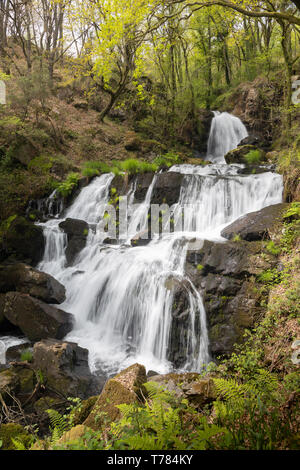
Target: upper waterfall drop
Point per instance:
(226, 132)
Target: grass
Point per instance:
(253, 157)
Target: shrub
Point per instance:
(253, 157)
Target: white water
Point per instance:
(120, 296)
(227, 131)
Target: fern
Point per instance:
(58, 425)
(18, 444)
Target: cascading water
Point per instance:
(227, 131)
(121, 296)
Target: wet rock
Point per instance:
(179, 347)
(13, 354)
(124, 388)
(24, 241)
(256, 225)
(226, 276)
(25, 279)
(36, 319)
(64, 366)
(77, 232)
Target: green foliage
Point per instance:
(58, 425)
(272, 248)
(167, 160)
(26, 356)
(270, 277)
(253, 157)
(66, 188)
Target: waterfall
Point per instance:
(226, 132)
(122, 296)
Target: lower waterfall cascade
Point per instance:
(122, 295)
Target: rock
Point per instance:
(13, 354)
(64, 366)
(5, 325)
(253, 140)
(24, 241)
(167, 188)
(86, 406)
(195, 130)
(256, 225)
(124, 388)
(77, 232)
(73, 435)
(27, 379)
(226, 276)
(238, 155)
(199, 391)
(11, 431)
(25, 279)
(9, 384)
(36, 319)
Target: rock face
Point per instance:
(25, 279)
(24, 241)
(166, 190)
(256, 225)
(195, 131)
(36, 319)
(226, 275)
(64, 366)
(77, 232)
(252, 103)
(124, 388)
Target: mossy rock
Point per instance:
(238, 155)
(27, 379)
(81, 414)
(105, 410)
(11, 431)
(75, 433)
(47, 403)
(9, 382)
(24, 241)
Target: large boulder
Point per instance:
(24, 241)
(122, 389)
(77, 232)
(36, 319)
(64, 366)
(258, 225)
(25, 279)
(227, 276)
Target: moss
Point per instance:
(80, 414)
(105, 409)
(11, 431)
